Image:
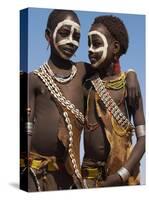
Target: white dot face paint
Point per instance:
(102, 49)
(74, 27)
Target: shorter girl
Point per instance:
(109, 158)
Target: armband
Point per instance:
(131, 70)
(140, 130)
(29, 128)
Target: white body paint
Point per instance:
(99, 49)
(67, 40)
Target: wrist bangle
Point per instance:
(123, 173)
(140, 130)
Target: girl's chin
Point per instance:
(99, 66)
(94, 65)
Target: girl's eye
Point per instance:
(96, 44)
(76, 36)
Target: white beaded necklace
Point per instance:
(60, 79)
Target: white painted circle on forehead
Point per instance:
(102, 49)
(67, 22)
(69, 39)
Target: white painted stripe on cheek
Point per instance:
(99, 49)
(74, 26)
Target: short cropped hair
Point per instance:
(116, 28)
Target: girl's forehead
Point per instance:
(101, 29)
(67, 23)
(65, 26)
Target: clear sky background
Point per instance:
(134, 58)
(9, 84)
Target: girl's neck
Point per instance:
(58, 62)
(106, 72)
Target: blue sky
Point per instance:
(134, 58)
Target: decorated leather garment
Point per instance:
(117, 127)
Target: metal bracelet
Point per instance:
(140, 130)
(29, 128)
(123, 173)
(131, 70)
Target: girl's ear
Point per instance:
(48, 35)
(116, 49)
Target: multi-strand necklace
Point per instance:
(61, 79)
(56, 93)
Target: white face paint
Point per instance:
(102, 49)
(74, 26)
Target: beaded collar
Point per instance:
(61, 79)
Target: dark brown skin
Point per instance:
(44, 113)
(43, 109)
(96, 144)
